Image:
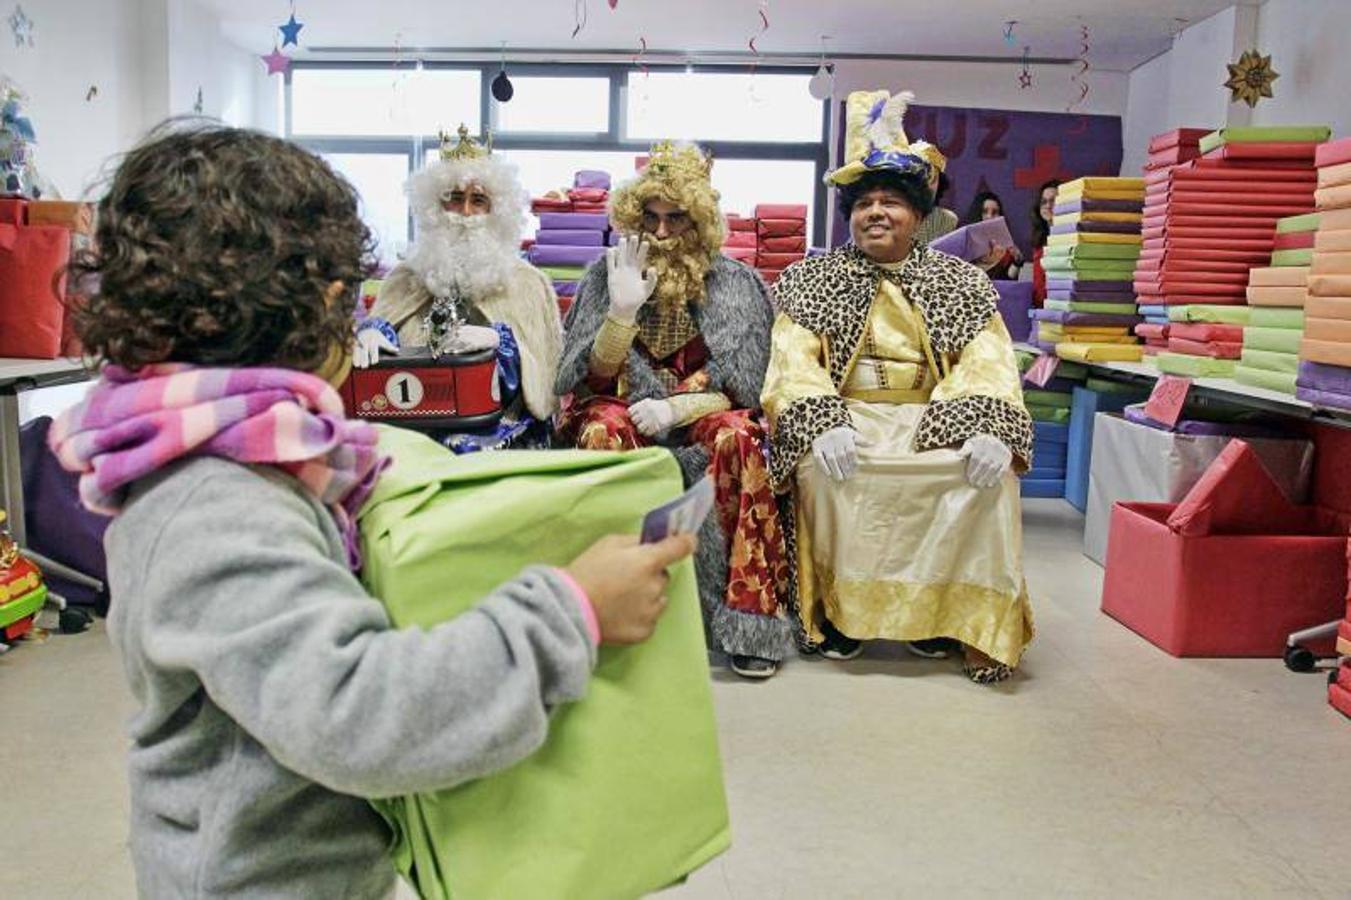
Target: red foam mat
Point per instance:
(1264, 150)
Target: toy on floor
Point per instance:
(22, 591)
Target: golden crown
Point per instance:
(684, 160)
(466, 147)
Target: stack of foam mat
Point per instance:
(1324, 377)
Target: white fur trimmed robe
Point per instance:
(527, 304)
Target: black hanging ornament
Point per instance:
(501, 87)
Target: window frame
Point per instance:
(613, 139)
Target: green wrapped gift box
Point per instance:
(626, 796)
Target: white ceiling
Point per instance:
(1123, 33)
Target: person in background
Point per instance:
(667, 344)
(897, 424)
(1043, 206)
(272, 695)
(941, 220)
(1001, 263)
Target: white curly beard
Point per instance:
(462, 254)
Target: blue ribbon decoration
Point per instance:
(895, 159)
(508, 361)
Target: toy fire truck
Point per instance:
(451, 384)
(22, 591)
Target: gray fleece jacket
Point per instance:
(274, 694)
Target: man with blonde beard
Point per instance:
(470, 210)
(667, 344)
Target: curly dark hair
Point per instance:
(911, 186)
(218, 246)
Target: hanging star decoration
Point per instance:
(21, 27)
(1009, 37)
(1250, 78)
(1025, 77)
(290, 32)
(200, 104)
(278, 63)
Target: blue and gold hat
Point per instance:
(875, 141)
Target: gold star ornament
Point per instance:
(1250, 78)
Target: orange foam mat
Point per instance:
(1335, 241)
(1336, 330)
(1331, 353)
(1328, 308)
(1332, 263)
(1334, 176)
(1333, 197)
(1330, 285)
(1277, 296)
(1279, 276)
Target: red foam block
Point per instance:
(1333, 153)
(1265, 150)
(1218, 595)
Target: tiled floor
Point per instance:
(1106, 769)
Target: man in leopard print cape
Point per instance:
(897, 424)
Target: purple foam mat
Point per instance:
(1092, 296)
(1328, 399)
(574, 221)
(1015, 302)
(1073, 284)
(1091, 205)
(1097, 228)
(1322, 377)
(591, 179)
(571, 238)
(558, 255)
(1201, 428)
(1090, 320)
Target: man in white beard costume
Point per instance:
(470, 212)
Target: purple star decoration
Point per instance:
(290, 32)
(278, 63)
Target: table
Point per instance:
(16, 376)
(1226, 389)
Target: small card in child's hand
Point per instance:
(682, 515)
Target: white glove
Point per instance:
(987, 460)
(652, 417)
(836, 452)
(630, 283)
(369, 343)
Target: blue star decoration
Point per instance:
(290, 32)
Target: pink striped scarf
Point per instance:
(133, 423)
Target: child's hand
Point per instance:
(626, 582)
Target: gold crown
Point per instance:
(666, 159)
(466, 147)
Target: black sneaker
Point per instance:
(838, 646)
(754, 667)
(934, 648)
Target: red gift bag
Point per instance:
(32, 259)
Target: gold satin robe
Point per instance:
(906, 549)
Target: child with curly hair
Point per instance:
(273, 692)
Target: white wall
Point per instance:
(1307, 43)
(1148, 111)
(201, 57)
(79, 44)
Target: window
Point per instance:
(723, 106)
(377, 122)
(543, 105)
(383, 101)
(743, 183)
(379, 178)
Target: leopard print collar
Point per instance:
(832, 294)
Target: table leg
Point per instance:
(11, 469)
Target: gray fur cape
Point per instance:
(735, 319)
